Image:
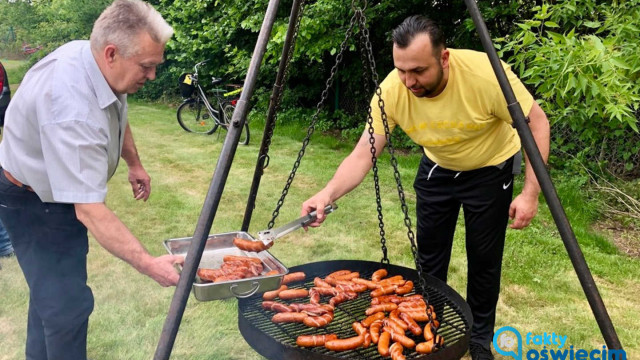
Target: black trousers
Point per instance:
(51, 246)
(485, 195)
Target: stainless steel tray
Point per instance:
(217, 246)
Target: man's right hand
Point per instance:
(162, 270)
(317, 202)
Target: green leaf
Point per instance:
(619, 63)
(592, 24)
(551, 24)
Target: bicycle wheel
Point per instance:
(193, 117)
(227, 111)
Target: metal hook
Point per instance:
(354, 8)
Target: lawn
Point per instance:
(540, 291)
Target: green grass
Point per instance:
(15, 71)
(540, 291)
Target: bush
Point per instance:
(581, 61)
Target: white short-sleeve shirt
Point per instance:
(64, 128)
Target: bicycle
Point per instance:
(196, 114)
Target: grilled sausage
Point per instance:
(228, 258)
(318, 321)
(250, 246)
(378, 275)
(374, 330)
(358, 328)
(383, 344)
(386, 299)
(390, 325)
(291, 294)
(384, 290)
(314, 296)
(208, 274)
(345, 344)
(400, 337)
(347, 277)
(396, 351)
(367, 340)
(413, 305)
(417, 315)
(326, 291)
(386, 307)
(289, 317)
(339, 273)
(318, 282)
(272, 272)
(428, 347)
(311, 309)
(395, 317)
(314, 340)
(270, 295)
(413, 325)
(342, 297)
(405, 289)
(428, 332)
(350, 286)
(394, 280)
(425, 347)
(368, 283)
(293, 277)
(371, 318)
(276, 306)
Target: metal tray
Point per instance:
(217, 246)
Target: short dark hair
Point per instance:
(414, 25)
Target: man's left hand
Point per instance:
(522, 210)
(140, 183)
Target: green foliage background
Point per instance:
(578, 57)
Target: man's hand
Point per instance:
(522, 210)
(162, 270)
(317, 202)
(140, 182)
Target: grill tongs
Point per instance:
(267, 236)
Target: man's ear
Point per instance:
(444, 58)
(110, 53)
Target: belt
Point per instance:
(15, 181)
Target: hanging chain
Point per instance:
(368, 78)
(314, 120)
(394, 161)
(277, 101)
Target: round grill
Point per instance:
(278, 341)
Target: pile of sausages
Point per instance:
(388, 297)
(241, 267)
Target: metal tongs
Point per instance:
(267, 236)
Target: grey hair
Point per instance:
(122, 21)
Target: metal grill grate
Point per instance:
(278, 341)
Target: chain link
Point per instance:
(368, 78)
(278, 100)
(394, 161)
(314, 120)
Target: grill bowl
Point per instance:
(278, 341)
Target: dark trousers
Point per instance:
(485, 195)
(51, 246)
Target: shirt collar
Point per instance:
(104, 93)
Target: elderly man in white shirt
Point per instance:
(65, 130)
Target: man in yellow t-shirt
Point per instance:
(449, 102)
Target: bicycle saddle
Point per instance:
(215, 81)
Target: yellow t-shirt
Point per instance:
(468, 125)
